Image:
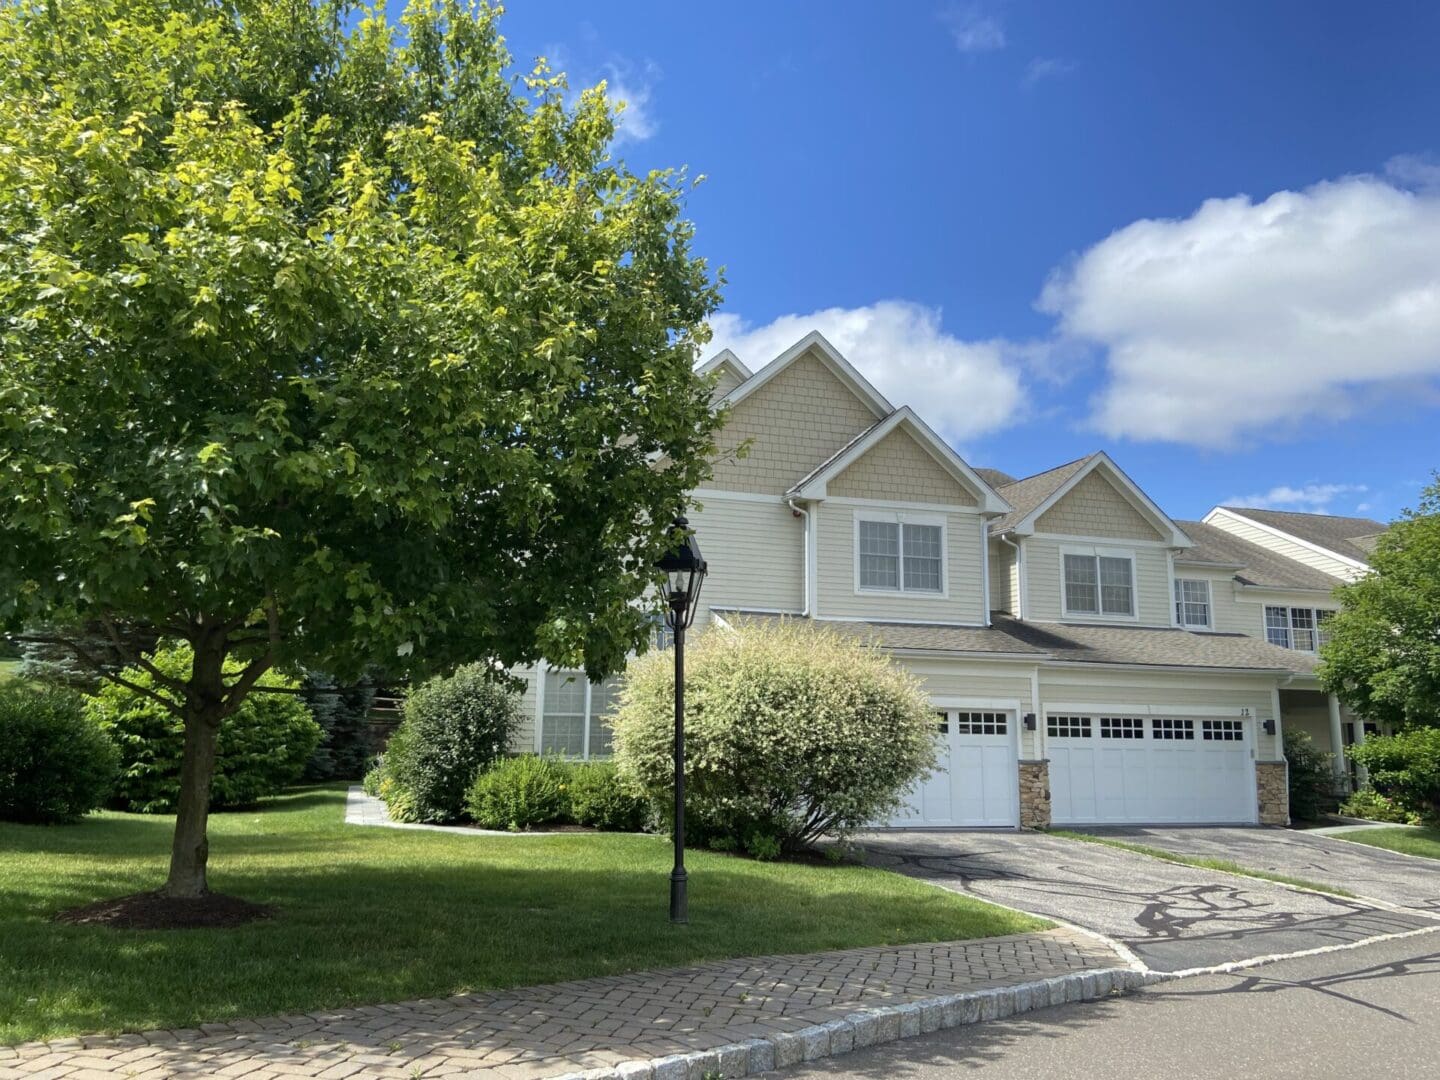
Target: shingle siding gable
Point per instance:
(897, 468)
(1096, 507)
(795, 421)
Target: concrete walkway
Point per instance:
(735, 1018)
(362, 809)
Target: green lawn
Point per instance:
(1224, 866)
(370, 915)
(8, 669)
(1424, 842)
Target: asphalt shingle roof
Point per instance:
(1158, 646)
(1338, 534)
(1025, 495)
(994, 477)
(1257, 565)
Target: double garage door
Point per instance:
(1150, 769)
(1104, 770)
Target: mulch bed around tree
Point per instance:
(152, 911)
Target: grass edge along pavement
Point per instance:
(366, 916)
(1419, 843)
(1223, 866)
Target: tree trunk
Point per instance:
(203, 712)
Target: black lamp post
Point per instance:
(684, 570)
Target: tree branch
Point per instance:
(131, 656)
(98, 666)
(253, 672)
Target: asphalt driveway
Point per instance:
(1403, 880)
(1172, 917)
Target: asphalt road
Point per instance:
(1367, 1012)
(1172, 917)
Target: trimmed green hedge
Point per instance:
(56, 765)
(263, 746)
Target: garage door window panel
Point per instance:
(1068, 727)
(1167, 728)
(1122, 727)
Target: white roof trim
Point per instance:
(832, 359)
(725, 358)
(990, 501)
(1309, 545)
(1176, 536)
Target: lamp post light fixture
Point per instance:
(684, 570)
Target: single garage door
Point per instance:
(1150, 770)
(976, 781)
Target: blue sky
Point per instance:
(1203, 237)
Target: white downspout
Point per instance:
(805, 553)
(1004, 538)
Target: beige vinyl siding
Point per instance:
(523, 738)
(755, 551)
(1096, 507)
(1004, 590)
(984, 680)
(1043, 602)
(794, 422)
(1155, 691)
(1228, 615)
(835, 561)
(728, 380)
(898, 469)
(1291, 550)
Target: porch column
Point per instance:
(1337, 739)
(1362, 778)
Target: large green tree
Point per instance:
(332, 342)
(1383, 656)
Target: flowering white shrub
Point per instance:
(792, 732)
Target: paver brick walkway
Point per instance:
(567, 1027)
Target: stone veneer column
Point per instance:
(1272, 790)
(1035, 794)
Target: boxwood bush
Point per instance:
(601, 798)
(1405, 767)
(452, 729)
(1312, 780)
(792, 732)
(263, 745)
(523, 792)
(55, 763)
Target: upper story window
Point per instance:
(1300, 628)
(1192, 603)
(575, 718)
(900, 555)
(1099, 582)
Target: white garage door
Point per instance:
(976, 782)
(1150, 770)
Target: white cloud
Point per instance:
(1046, 67)
(637, 121)
(963, 389)
(972, 29)
(1251, 320)
(1420, 172)
(1314, 497)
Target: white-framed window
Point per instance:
(1192, 602)
(574, 719)
(1098, 581)
(900, 553)
(1300, 628)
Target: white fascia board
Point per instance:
(1309, 545)
(990, 501)
(832, 359)
(1176, 537)
(725, 358)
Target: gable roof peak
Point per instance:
(815, 344)
(1036, 494)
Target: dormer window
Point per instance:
(1099, 582)
(902, 553)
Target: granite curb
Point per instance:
(875, 1025)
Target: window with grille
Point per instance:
(899, 556)
(1297, 627)
(943, 724)
(1122, 727)
(1068, 727)
(1168, 728)
(575, 718)
(1099, 584)
(1222, 730)
(1192, 602)
(981, 723)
